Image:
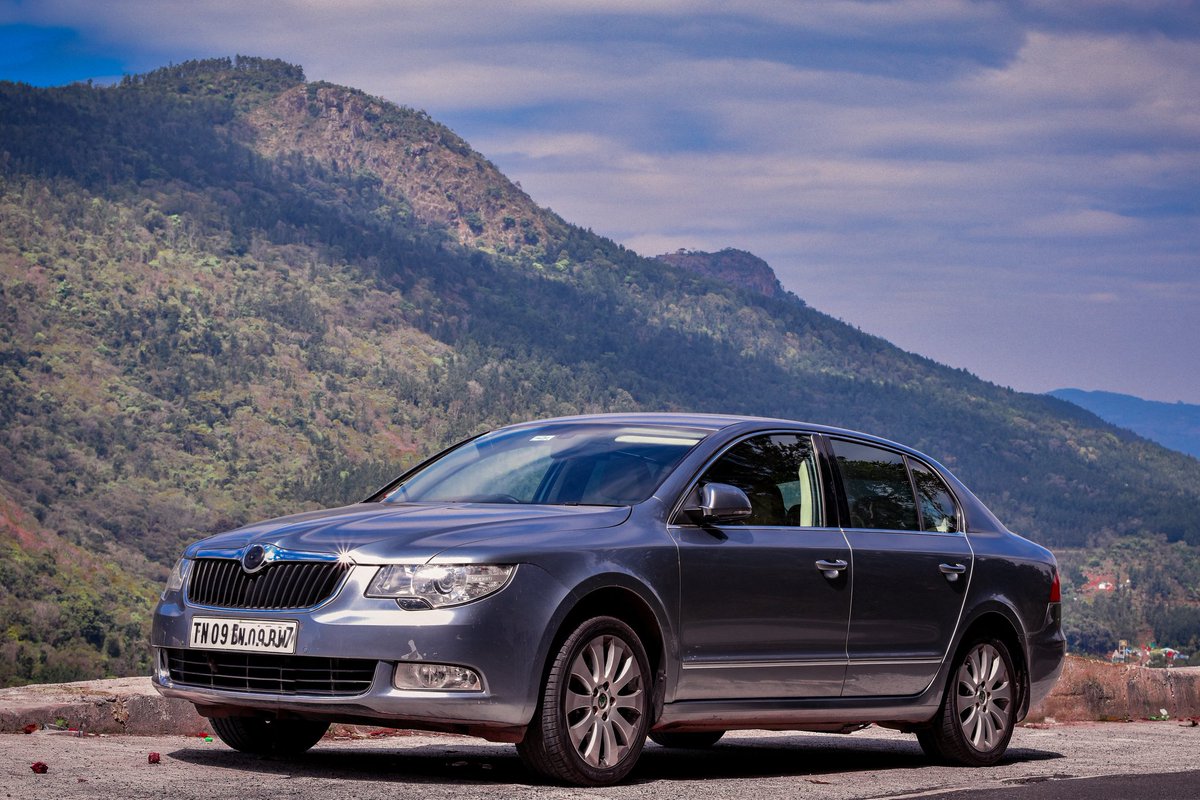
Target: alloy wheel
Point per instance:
(603, 703)
(984, 697)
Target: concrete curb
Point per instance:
(120, 705)
(1092, 690)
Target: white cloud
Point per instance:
(1090, 223)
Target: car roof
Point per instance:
(706, 422)
(977, 513)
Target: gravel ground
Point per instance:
(872, 763)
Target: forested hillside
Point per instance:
(226, 293)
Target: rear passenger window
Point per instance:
(878, 490)
(778, 473)
(938, 510)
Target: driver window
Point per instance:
(778, 473)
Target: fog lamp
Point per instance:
(436, 677)
(163, 669)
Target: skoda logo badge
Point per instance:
(254, 558)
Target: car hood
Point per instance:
(371, 533)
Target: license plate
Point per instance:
(247, 635)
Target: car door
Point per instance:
(911, 565)
(765, 602)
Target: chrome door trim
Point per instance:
(833, 663)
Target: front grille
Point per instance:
(222, 582)
(270, 673)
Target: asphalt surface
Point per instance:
(1064, 762)
(1179, 785)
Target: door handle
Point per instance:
(831, 569)
(952, 571)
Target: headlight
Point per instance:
(178, 577)
(438, 585)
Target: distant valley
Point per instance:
(1173, 425)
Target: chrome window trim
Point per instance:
(900, 530)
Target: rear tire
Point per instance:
(591, 722)
(269, 737)
(687, 740)
(978, 713)
(929, 745)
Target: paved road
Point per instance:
(1178, 785)
(1042, 763)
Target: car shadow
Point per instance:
(472, 761)
(805, 756)
(466, 761)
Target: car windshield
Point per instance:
(562, 464)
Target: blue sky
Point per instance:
(1009, 187)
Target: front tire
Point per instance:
(269, 737)
(979, 708)
(591, 722)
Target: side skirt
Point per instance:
(839, 715)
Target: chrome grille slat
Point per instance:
(270, 673)
(299, 582)
(258, 588)
(262, 589)
(276, 588)
(330, 584)
(199, 583)
(222, 583)
(307, 581)
(217, 582)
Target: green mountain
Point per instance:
(227, 293)
(1173, 425)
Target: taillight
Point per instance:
(1055, 589)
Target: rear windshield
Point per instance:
(563, 464)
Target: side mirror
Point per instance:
(720, 502)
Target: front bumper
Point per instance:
(502, 637)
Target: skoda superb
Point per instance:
(577, 585)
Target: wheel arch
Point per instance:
(628, 600)
(999, 621)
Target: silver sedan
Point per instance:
(576, 585)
